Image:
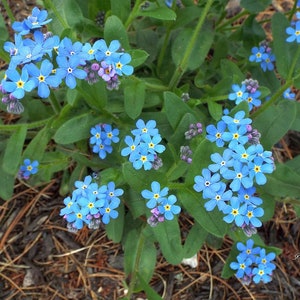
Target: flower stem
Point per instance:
(272, 100)
(8, 11)
(181, 68)
(49, 4)
(54, 103)
(164, 48)
(140, 246)
(288, 83)
(231, 20)
(133, 14)
(32, 125)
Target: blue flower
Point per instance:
(68, 70)
(168, 209)
(133, 146)
(235, 212)
(243, 266)
(102, 149)
(96, 135)
(287, 94)
(148, 128)
(248, 249)
(43, 77)
(36, 20)
(239, 176)
(108, 54)
(265, 155)
(253, 100)
(238, 119)
(122, 66)
(258, 54)
(77, 217)
(252, 215)
(257, 168)
(17, 84)
(90, 205)
(236, 134)
(221, 163)
(98, 192)
(266, 259)
(68, 49)
(215, 134)
(169, 3)
(68, 201)
(28, 168)
(261, 273)
(142, 158)
(82, 186)
(109, 134)
(247, 196)
(153, 143)
(207, 182)
(156, 195)
(218, 198)
(294, 33)
(112, 193)
(267, 63)
(244, 155)
(239, 93)
(108, 210)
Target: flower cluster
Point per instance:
(294, 30)
(264, 56)
(228, 182)
(46, 61)
(248, 91)
(28, 168)
(253, 263)
(162, 206)
(90, 204)
(103, 135)
(143, 149)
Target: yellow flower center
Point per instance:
(20, 84)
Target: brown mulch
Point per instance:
(40, 259)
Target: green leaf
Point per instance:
(141, 179)
(115, 30)
(76, 129)
(73, 12)
(168, 235)
(139, 254)
(13, 151)
(3, 29)
(202, 158)
(274, 122)
(284, 182)
(201, 48)
(161, 13)
(283, 51)
(95, 95)
(255, 6)
(150, 292)
(121, 9)
(231, 70)
(194, 240)
(134, 97)
(114, 228)
(7, 184)
(138, 57)
(296, 124)
(215, 110)
(211, 221)
(36, 148)
(174, 116)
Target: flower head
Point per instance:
(28, 168)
